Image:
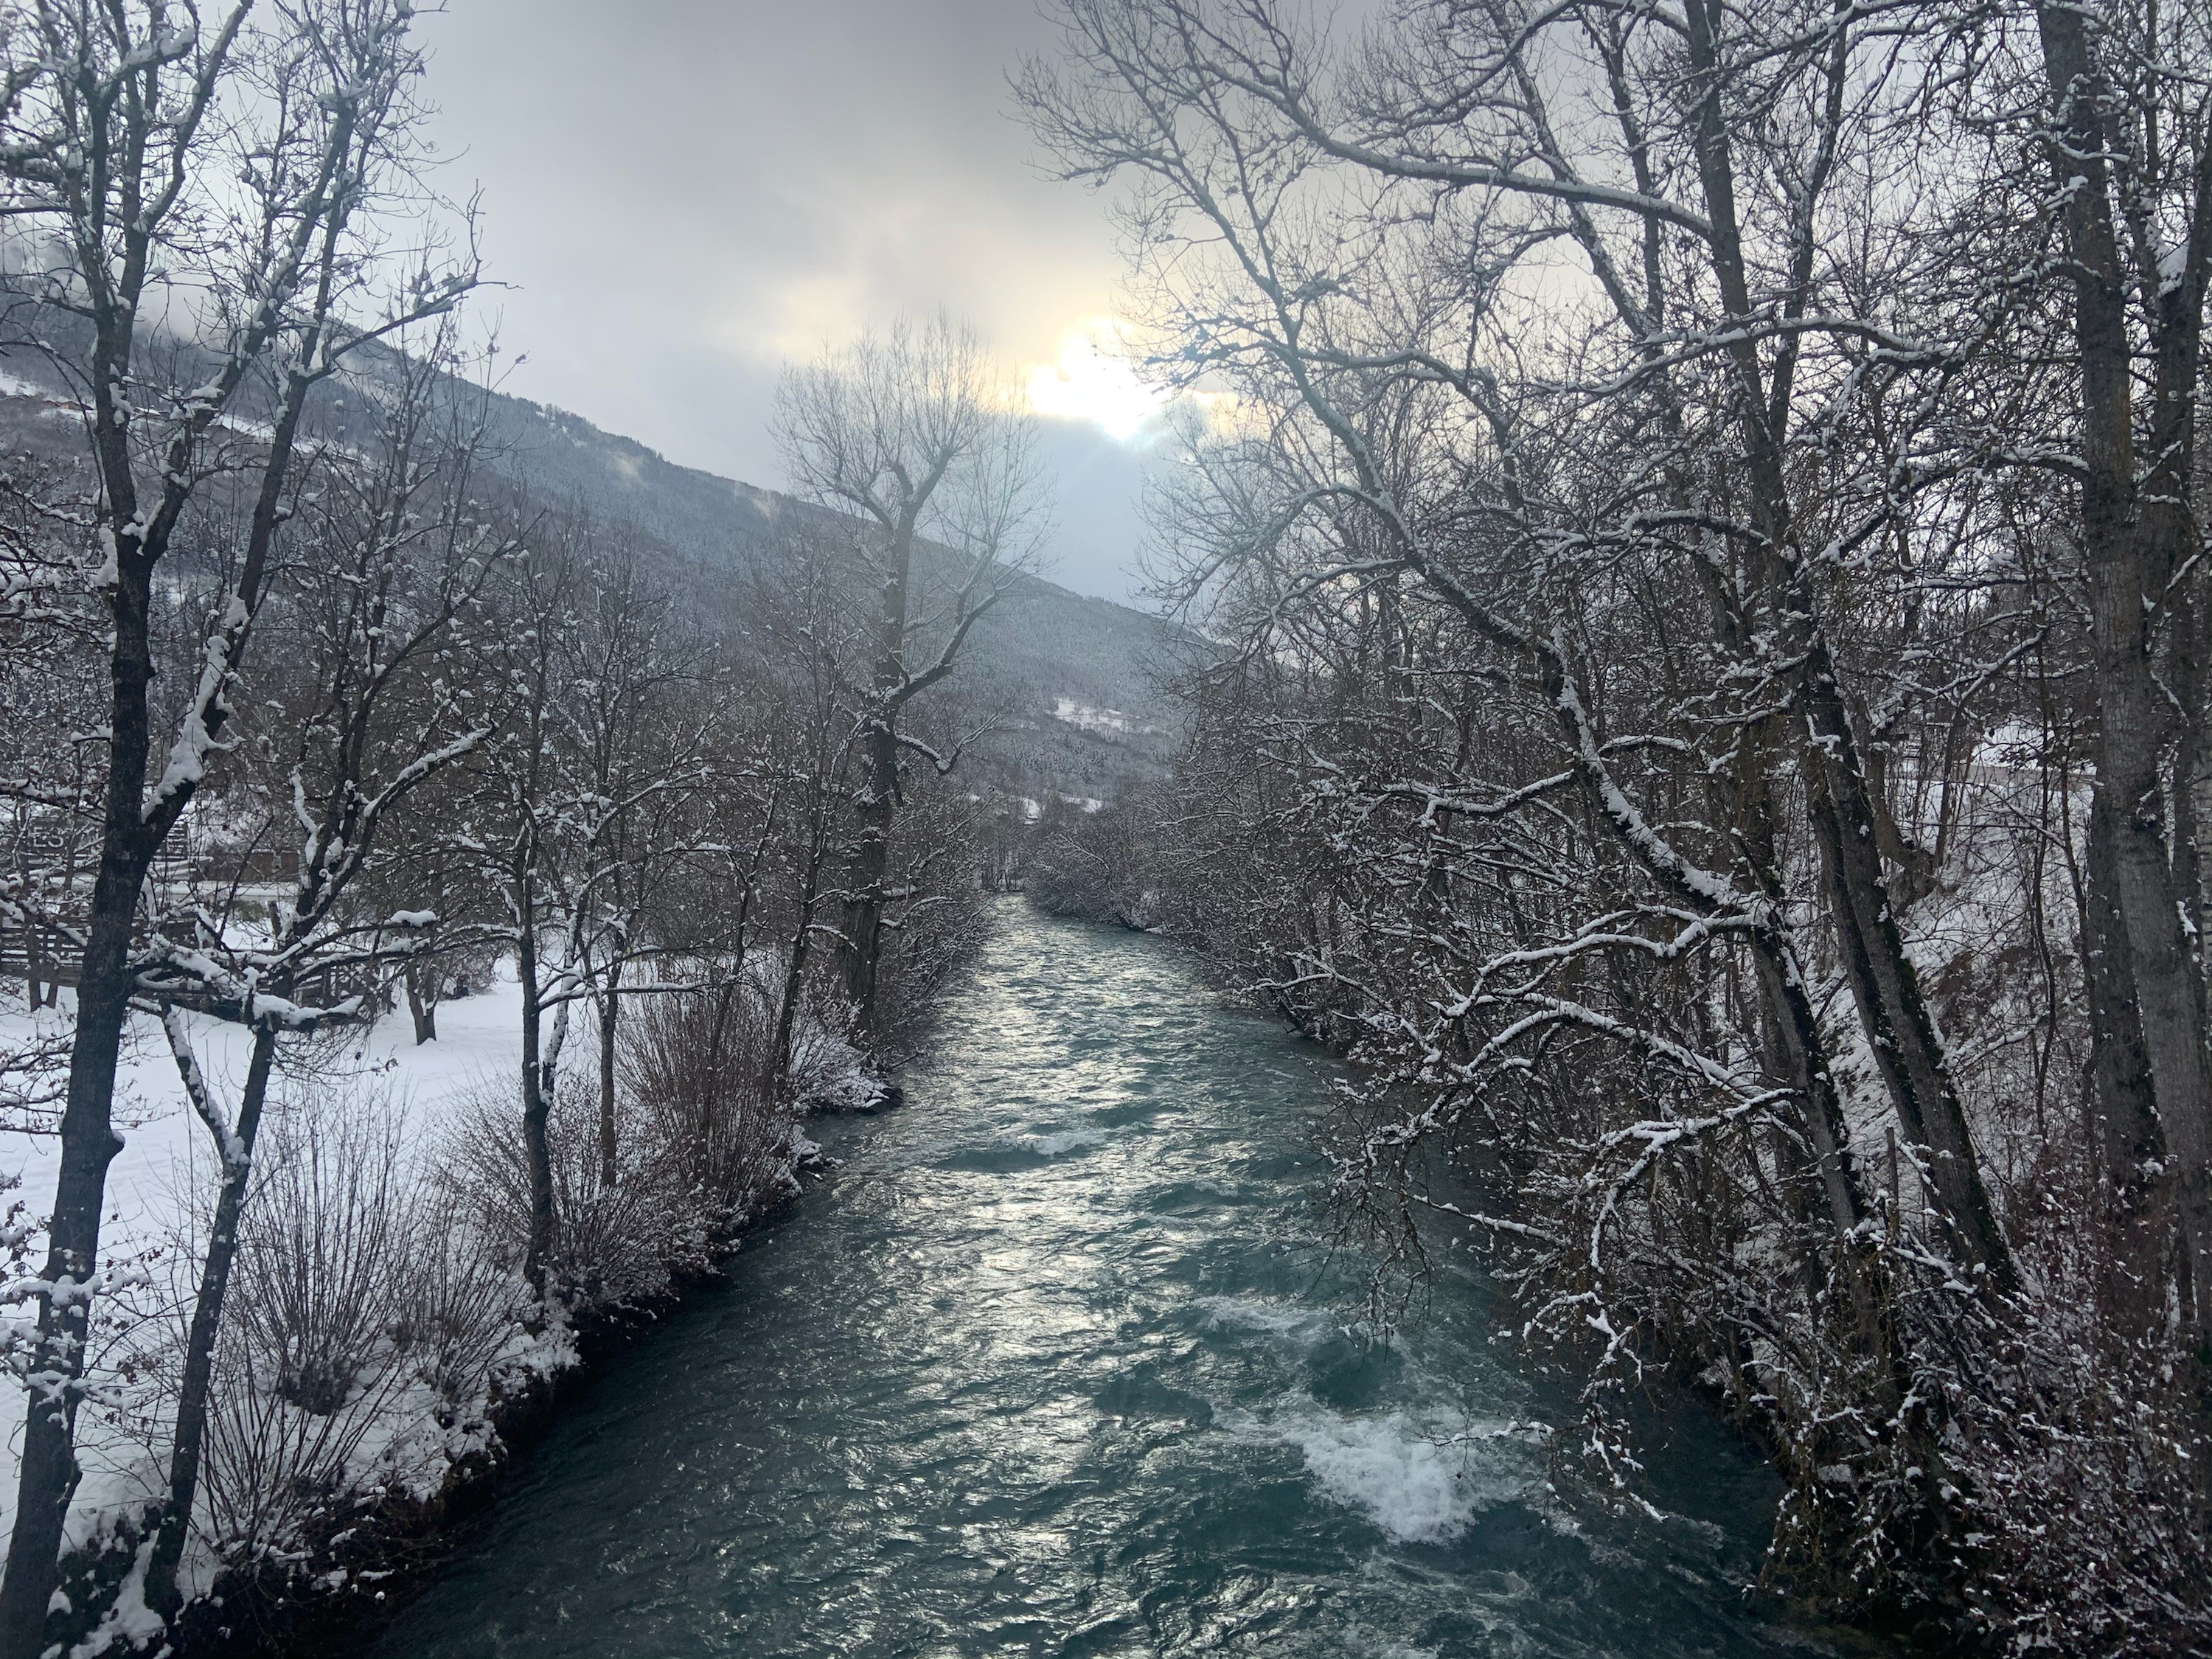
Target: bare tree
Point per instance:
(2127, 139)
(233, 174)
(640, 739)
(390, 566)
(579, 811)
(912, 435)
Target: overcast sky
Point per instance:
(683, 193)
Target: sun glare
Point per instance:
(1092, 380)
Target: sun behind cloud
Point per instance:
(1093, 379)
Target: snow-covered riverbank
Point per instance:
(440, 1344)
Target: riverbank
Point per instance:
(386, 1361)
(162, 1173)
(338, 1600)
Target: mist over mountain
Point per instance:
(1069, 684)
(1077, 678)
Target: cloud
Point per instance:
(686, 192)
(1091, 378)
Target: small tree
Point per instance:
(386, 572)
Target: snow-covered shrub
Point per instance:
(2086, 1459)
(463, 1305)
(827, 1073)
(612, 1245)
(697, 1063)
(938, 923)
(313, 1359)
(1095, 866)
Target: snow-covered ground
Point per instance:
(1100, 720)
(167, 1152)
(1033, 809)
(375, 1126)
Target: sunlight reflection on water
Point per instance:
(1058, 1363)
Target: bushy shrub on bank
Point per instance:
(1098, 866)
(385, 1344)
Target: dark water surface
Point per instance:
(1054, 1366)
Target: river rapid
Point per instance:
(1059, 1362)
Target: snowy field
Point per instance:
(166, 1156)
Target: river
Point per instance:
(1058, 1363)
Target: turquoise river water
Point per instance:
(1059, 1362)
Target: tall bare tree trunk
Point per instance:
(802, 937)
(610, 1166)
(49, 1472)
(2130, 1141)
(537, 1098)
(2133, 529)
(1796, 1029)
(897, 433)
(195, 1386)
(421, 1008)
(1900, 1029)
(1907, 1049)
(876, 810)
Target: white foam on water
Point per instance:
(1250, 1313)
(1370, 1644)
(1419, 1478)
(1294, 1323)
(1065, 1140)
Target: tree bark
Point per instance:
(609, 1169)
(194, 1391)
(2129, 1141)
(421, 1009)
(876, 810)
(794, 968)
(88, 1144)
(537, 1107)
(2134, 531)
(1907, 1049)
(48, 1473)
(1899, 1027)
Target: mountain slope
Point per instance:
(1077, 677)
(1074, 679)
